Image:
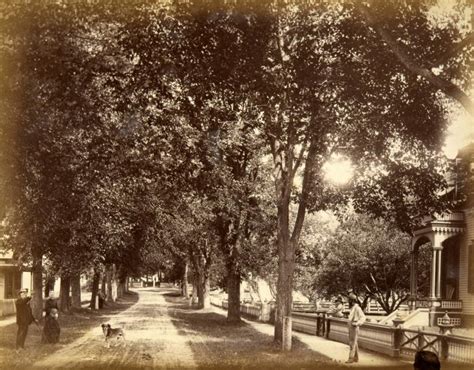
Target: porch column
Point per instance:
(433, 274)
(438, 274)
(413, 274)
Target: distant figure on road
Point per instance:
(426, 360)
(356, 319)
(338, 309)
(24, 317)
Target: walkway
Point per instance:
(7, 320)
(151, 340)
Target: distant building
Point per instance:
(12, 278)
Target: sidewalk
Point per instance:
(7, 320)
(336, 351)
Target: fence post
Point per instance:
(397, 341)
(420, 340)
(444, 348)
(318, 324)
(328, 326)
(265, 313)
(286, 343)
(323, 322)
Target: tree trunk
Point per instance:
(119, 290)
(184, 290)
(233, 291)
(65, 287)
(121, 286)
(196, 287)
(48, 285)
(204, 298)
(200, 291)
(203, 286)
(286, 267)
(202, 266)
(76, 290)
(103, 284)
(114, 282)
(286, 264)
(109, 273)
(95, 289)
(37, 293)
(287, 243)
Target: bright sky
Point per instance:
(338, 169)
(460, 133)
(461, 130)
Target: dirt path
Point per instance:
(152, 340)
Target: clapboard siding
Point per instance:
(468, 299)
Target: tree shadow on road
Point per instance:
(73, 326)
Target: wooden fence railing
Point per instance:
(403, 342)
(392, 341)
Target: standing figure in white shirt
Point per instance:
(356, 319)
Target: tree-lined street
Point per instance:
(192, 141)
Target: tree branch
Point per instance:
(299, 159)
(307, 180)
(445, 86)
(455, 50)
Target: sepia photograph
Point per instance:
(237, 184)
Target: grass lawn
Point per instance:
(73, 326)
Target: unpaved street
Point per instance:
(152, 340)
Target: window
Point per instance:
(12, 283)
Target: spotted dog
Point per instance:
(112, 333)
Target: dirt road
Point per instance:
(152, 340)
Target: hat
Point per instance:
(23, 290)
(339, 299)
(353, 296)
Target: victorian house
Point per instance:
(449, 241)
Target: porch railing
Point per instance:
(451, 305)
(455, 321)
(446, 304)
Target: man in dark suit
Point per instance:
(24, 317)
